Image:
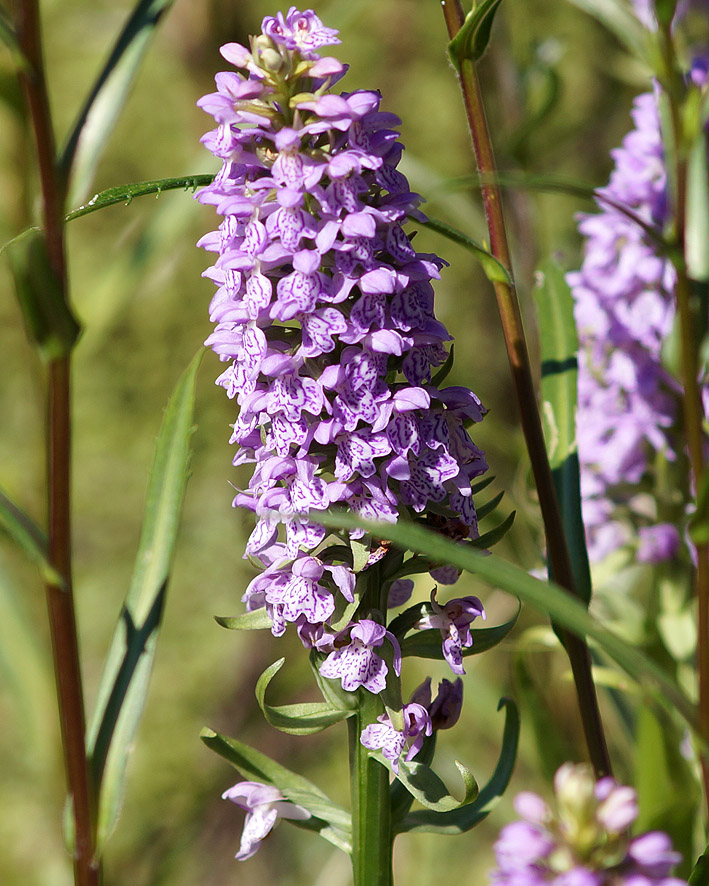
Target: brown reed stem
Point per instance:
(517, 352)
(60, 600)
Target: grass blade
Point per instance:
(126, 674)
(105, 101)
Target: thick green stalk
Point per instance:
(60, 601)
(371, 809)
(526, 394)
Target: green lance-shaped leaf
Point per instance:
(700, 871)
(297, 719)
(426, 787)
(258, 620)
(559, 347)
(51, 326)
(8, 36)
(471, 40)
(457, 821)
(124, 682)
(329, 819)
(26, 534)
(494, 270)
(490, 538)
(697, 233)
(427, 644)
(105, 101)
(546, 597)
(126, 193)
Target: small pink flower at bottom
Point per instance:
(264, 805)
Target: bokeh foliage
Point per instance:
(558, 93)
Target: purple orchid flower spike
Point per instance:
(583, 839)
(356, 663)
(324, 317)
(453, 620)
(264, 805)
(382, 735)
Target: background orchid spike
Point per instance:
(324, 315)
(628, 396)
(582, 839)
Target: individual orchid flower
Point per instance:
(355, 663)
(383, 736)
(264, 805)
(453, 620)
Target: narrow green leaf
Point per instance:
(24, 532)
(700, 871)
(457, 821)
(258, 620)
(471, 41)
(427, 644)
(423, 783)
(8, 36)
(489, 506)
(126, 193)
(488, 539)
(126, 674)
(559, 347)
(104, 103)
(618, 18)
(330, 820)
(546, 597)
(697, 235)
(494, 270)
(296, 719)
(51, 326)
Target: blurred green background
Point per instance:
(136, 285)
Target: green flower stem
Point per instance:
(692, 409)
(371, 810)
(60, 601)
(518, 355)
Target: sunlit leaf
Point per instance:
(108, 95)
(697, 233)
(546, 597)
(296, 719)
(126, 193)
(126, 674)
(494, 269)
(559, 346)
(464, 818)
(258, 620)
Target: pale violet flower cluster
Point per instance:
(624, 306)
(324, 318)
(583, 840)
